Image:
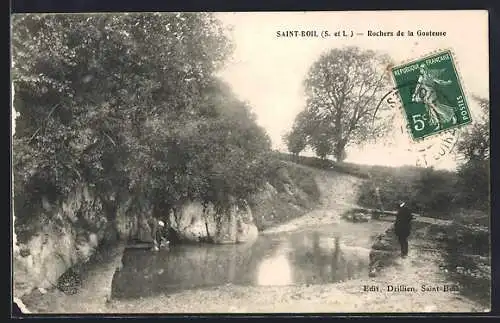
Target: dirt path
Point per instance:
(338, 194)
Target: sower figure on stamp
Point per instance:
(426, 92)
(402, 227)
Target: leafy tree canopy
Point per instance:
(128, 103)
(343, 88)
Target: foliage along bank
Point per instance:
(129, 106)
(122, 118)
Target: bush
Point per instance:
(428, 191)
(473, 185)
(436, 193)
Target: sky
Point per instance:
(268, 71)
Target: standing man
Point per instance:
(402, 227)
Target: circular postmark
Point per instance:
(428, 151)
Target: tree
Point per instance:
(128, 104)
(295, 142)
(296, 139)
(343, 88)
(475, 143)
(474, 173)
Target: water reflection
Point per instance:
(275, 270)
(279, 259)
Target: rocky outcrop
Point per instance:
(70, 236)
(195, 222)
(72, 232)
(76, 227)
(133, 220)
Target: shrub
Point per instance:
(473, 185)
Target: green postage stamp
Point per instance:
(431, 94)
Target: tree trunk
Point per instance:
(339, 151)
(205, 217)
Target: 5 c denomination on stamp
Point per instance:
(431, 94)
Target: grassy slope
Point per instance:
(292, 191)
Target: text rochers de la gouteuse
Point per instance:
(291, 33)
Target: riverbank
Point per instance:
(422, 267)
(51, 252)
(333, 298)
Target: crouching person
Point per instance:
(161, 238)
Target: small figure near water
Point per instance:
(160, 237)
(402, 226)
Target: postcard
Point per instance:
(251, 162)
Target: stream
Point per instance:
(314, 263)
(308, 265)
(313, 255)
